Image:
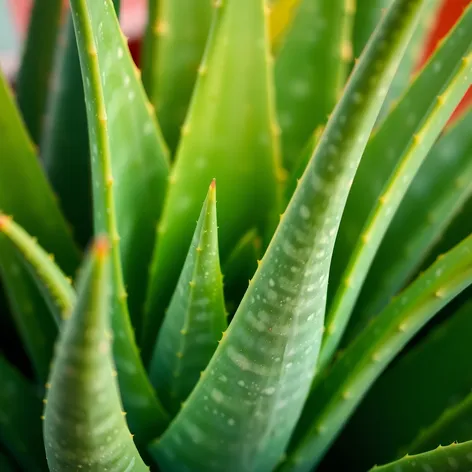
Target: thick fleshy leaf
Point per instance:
(453, 458)
(310, 70)
(22, 180)
(52, 283)
(32, 83)
(20, 422)
(437, 193)
(338, 392)
(411, 395)
(281, 16)
(228, 135)
(196, 317)
(175, 39)
(242, 412)
(84, 426)
(64, 144)
(128, 170)
(405, 139)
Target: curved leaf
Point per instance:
(84, 427)
(20, 423)
(128, 170)
(437, 193)
(405, 137)
(339, 391)
(175, 39)
(51, 281)
(310, 70)
(242, 412)
(22, 180)
(196, 316)
(453, 458)
(228, 135)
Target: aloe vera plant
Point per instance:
(199, 330)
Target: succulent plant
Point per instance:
(344, 178)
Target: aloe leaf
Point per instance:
(51, 281)
(410, 395)
(228, 135)
(339, 391)
(22, 180)
(32, 84)
(252, 392)
(20, 423)
(310, 70)
(137, 171)
(175, 39)
(84, 426)
(405, 139)
(436, 195)
(281, 16)
(239, 268)
(453, 458)
(196, 317)
(128, 170)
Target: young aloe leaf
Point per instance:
(128, 169)
(437, 193)
(64, 144)
(367, 17)
(84, 426)
(281, 16)
(452, 425)
(251, 394)
(310, 70)
(410, 395)
(20, 423)
(22, 180)
(32, 84)
(229, 135)
(51, 281)
(175, 39)
(239, 268)
(338, 392)
(196, 316)
(405, 138)
(453, 458)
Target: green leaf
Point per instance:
(52, 283)
(405, 139)
(32, 84)
(452, 425)
(175, 39)
(438, 192)
(196, 317)
(453, 458)
(84, 426)
(242, 412)
(22, 180)
(411, 395)
(310, 70)
(239, 268)
(129, 172)
(228, 135)
(338, 392)
(20, 423)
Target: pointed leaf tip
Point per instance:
(4, 221)
(101, 246)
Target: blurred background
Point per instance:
(14, 16)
